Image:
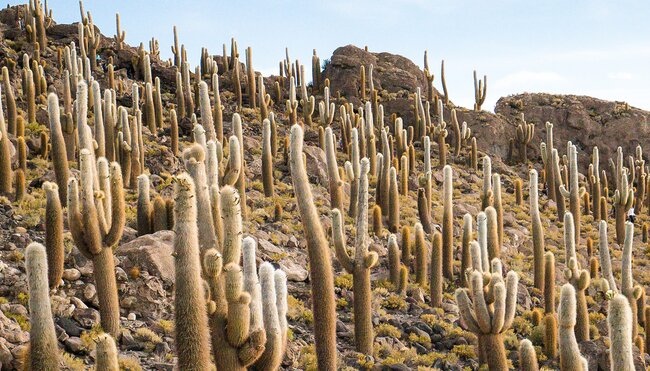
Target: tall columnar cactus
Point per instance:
(194, 157)
(241, 180)
(421, 251)
(359, 265)
(631, 292)
(493, 246)
(192, 337)
(623, 200)
(480, 88)
(144, 208)
(440, 132)
(594, 181)
(267, 159)
(605, 260)
(466, 258)
(59, 154)
(527, 356)
(43, 345)
(335, 184)
(620, 323)
(393, 202)
(352, 169)
(5, 156)
(206, 111)
(490, 314)
(323, 299)
(573, 192)
(538, 231)
(106, 358)
(436, 279)
(96, 227)
(498, 205)
(549, 170)
(448, 223)
(570, 357)
(578, 278)
(523, 136)
(486, 195)
(54, 234)
(549, 282)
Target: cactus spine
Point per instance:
(43, 346)
(538, 231)
(359, 265)
(323, 298)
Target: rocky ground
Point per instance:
(409, 333)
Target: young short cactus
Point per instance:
(359, 265)
(54, 234)
(489, 324)
(619, 324)
(527, 356)
(538, 231)
(550, 335)
(106, 350)
(323, 298)
(570, 357)
(97, 227)
(43, 345)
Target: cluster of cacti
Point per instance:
(233, 316)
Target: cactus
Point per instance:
(206, 111)
(43, 345)
(549, 282)
(274, 306)
(447, 223)
(489, 324)
(480, 88)
(106, 358)
(11, 102)
(420, 256)
(519, 195)
(323, 299)
(631, 292)
(493, 246)
(619, 324)
(570, 358)
(487, 195)
(267, 159)
(440, 132)
(335, 184)
(94, 233)
(423, 210)
(578, 277)
(573, 192)
(623, 200)
(538, 231)
(377, 223)
(593, 177)
(54, 234)
(241, 180)
(436, 270)
(359, 265)
(466, 258)
(59, 155)
(605, 260)
(5, 155)
(393, 202)
(527, 356)
(523, 136)
(144, 207)
(498, 205)
(326, 110)
(394, 263)
(192, 337)
(21, 189)
(550, 335)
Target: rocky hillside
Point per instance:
(211, 207)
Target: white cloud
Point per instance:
(620, 76)
(526, 78)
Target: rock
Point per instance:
(131, 317)
(585, 121)
(86, 317)
(5, 356)
(71, 274)
(295, 272)
(152, 253)
(90, 292)
(69, 326)
(316, 165)
(74, 345)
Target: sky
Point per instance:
(586, 47)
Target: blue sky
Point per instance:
(592, 47)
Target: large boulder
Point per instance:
(151, 253)
(585, 121)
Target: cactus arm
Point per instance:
(338, 236)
